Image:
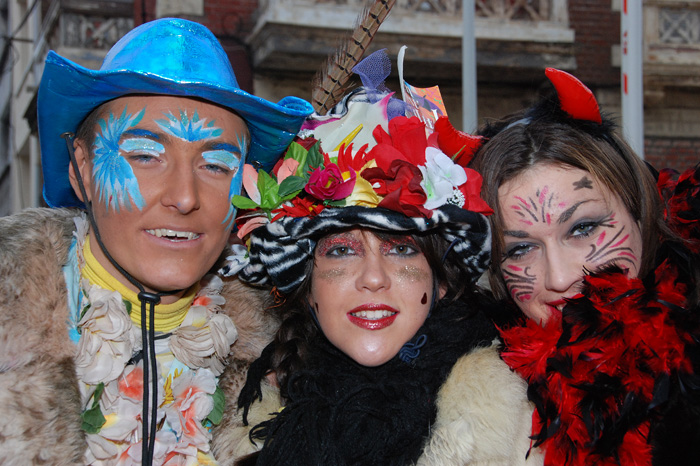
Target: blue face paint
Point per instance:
(237, 179)
(142, 146)
(225, 158)
(115, 180)
(187, 129)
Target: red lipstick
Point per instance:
(372, 324)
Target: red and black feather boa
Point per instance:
(614, 377)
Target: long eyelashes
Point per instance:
(408, 244)
(520, 285)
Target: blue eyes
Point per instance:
(584, 229)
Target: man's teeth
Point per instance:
(373, 315)
(164, 232)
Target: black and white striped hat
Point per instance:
(278, 251)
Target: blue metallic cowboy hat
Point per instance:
(167, 57)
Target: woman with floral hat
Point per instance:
(373, 246)
(113, 332)
(597, 254)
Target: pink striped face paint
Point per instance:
(558, 223)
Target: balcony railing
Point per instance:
(510, 20)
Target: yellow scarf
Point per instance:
(167, 316)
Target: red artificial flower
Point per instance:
(301, 207)
(400, 186)
(471, 190)
(347, 161)
(327, 183)
(406, 140)
(458, 145)
(306, 143)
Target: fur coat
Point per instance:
(484, 418)
(41, 406)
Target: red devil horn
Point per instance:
(457, 144)
(575, 98)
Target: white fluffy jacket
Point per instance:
(484, 417)
(39, 397)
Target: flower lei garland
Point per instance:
(406, 171)
(597, 370)
(112, 388)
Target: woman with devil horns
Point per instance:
(599, 257)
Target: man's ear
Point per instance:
(82, 156)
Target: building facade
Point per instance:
(277, 46)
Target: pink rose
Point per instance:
(328, 183)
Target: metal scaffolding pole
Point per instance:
(469, 101)
(632, 43)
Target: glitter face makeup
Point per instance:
(371, 294)
(558, 223)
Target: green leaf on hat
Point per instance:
(291, 185)
(241, 202)
(297, 152)
(268, 187)
(315, 158)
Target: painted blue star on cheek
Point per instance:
(117, 185)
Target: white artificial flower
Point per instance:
(440, 176)
(107, 339)
(192, 393)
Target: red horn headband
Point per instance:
(574, 97)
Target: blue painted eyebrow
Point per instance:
(141, 133)
(227, 147)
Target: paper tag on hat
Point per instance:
(424, 103)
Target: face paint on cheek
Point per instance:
(618, 249)
(413, 274)
(113, 176)
(332, 275)
(424, 299)
(519, 283)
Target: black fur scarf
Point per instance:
(342, 413)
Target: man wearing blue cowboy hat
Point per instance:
(112, 334)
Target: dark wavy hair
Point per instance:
(299, 327)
